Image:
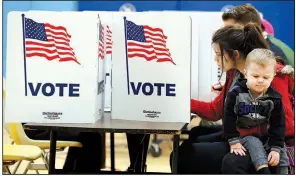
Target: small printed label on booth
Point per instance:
(52, 115)
(151, 114)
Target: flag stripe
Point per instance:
(52, 46)
(59, 33)
(150, 55)
(57, 42)
(147, 46)
(150, 38)
(153, 43)
(149, 58)
(50, 36)
(48, 55)
(148, 28)
(161, 36)
(148, 51)
(50, 52)
(108, 40)
(49, 45)
(51, 57)
(47, 50)
(47, 25)
(108, 29)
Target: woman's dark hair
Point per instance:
(241, 38)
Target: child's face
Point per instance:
(259, 77)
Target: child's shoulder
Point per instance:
(239, 86)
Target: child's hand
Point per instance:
(194, 122)
(273, 158)
(238, 149)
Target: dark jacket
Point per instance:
(261, 117)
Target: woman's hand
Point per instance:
(217, 87)
(238, 149)
(273, 158)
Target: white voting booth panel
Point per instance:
(204, 71)
(53, 67)
(151, 67)
(208, 71)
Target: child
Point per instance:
(254, 115)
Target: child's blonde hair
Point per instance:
(262, 57)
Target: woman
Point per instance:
(204, 154)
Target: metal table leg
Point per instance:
(176, 153)
(112, 152)
(144, 152)
(52, 152)
(103, 150)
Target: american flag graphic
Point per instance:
(101, 42)
(147, 42)
(48, 41)
(108, 41)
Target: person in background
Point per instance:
(243, 14)
(277, 45)
(267, 27)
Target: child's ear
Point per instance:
(245, 72)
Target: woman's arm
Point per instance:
(212, 111)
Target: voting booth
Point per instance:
(202, 62)
(53, 67)
(142, 67)
(151, 58)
